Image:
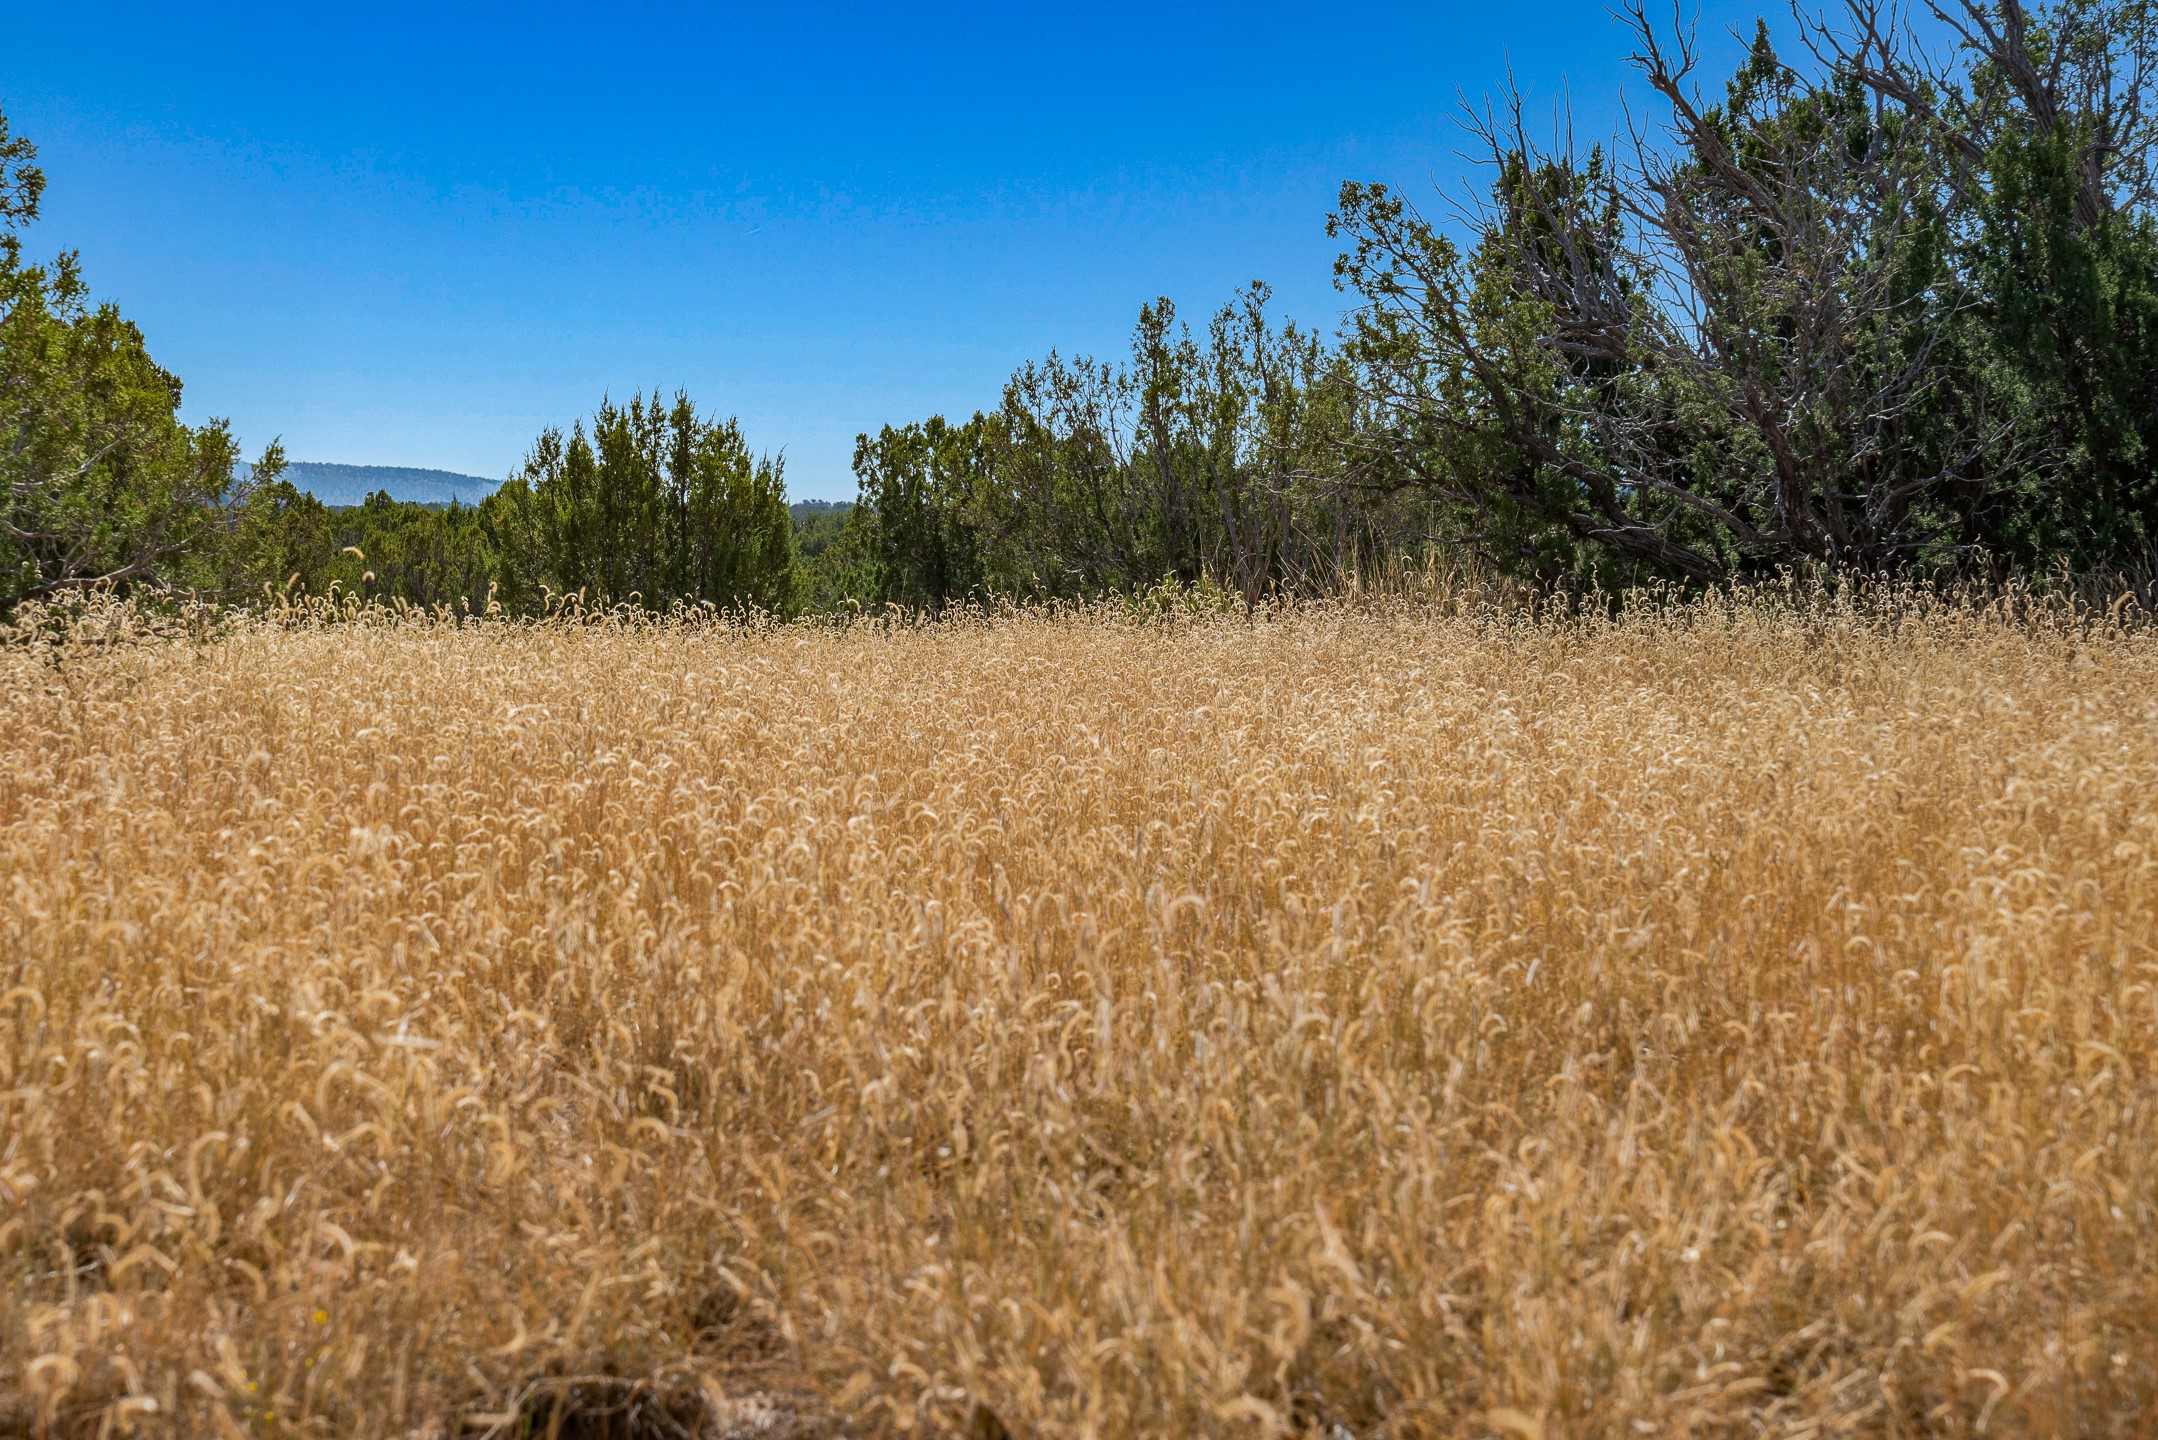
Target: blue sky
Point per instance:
(414, 235)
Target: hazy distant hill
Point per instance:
(352, 484)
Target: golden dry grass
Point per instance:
(1381, 1023)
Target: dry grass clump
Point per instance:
(1717, 1020)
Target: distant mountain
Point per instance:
(352, 484)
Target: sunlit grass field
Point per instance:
(1726, 1019)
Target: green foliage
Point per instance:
(836, 568)
(424, 554)
(656, 506)
(284, 542)
(2071, 313)
(100, 483)
(1879, 314)
(817, 523)
(21, 185)
(665, 508)
(918, 526)
(1872, 313)
(1224, 460)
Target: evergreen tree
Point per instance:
(655, 505)
(100, 482)
(1874, 313)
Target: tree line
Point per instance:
(1884, 304)
(653, 505)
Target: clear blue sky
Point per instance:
(415, 234)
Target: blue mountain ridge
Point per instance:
(334, 484)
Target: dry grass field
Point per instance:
(1372, 1023)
